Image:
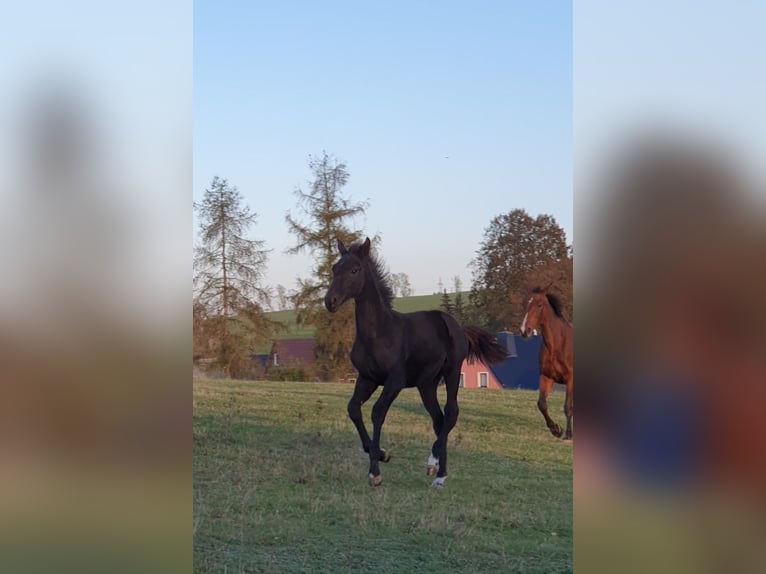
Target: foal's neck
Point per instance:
(371, 310)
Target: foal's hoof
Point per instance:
(375, 480)
(384, 456)
(432, 465)
(556, 431)
(438, 482)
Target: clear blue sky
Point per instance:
(447, 114)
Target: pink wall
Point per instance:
(471, 375)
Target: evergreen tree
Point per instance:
(325, 215)
(228, 266)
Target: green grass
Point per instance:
(418, 303)
(401, 304)
(280, 485)
(293, 330)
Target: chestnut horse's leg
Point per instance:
(568, 403)
(362, 392)
(391, 388)
(546, 385)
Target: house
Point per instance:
(519, 371)
(291, 353)
(478, 376)
(295, 358)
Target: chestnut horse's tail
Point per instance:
(484, 346)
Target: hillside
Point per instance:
(401, 304)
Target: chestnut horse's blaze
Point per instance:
(542, 313)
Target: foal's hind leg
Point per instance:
(451, 411)
(362, 392)
(542, 403)
(431, 403)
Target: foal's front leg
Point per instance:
(362, 392)
(391, 389)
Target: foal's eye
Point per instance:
(354, 270)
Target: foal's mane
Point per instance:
(379, 273)
(554, 301)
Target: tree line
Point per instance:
(230, 303)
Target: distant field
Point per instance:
(280, 485)
(294, 331)
(401, 304)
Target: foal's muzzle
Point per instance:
(331, 302)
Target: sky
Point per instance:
(447, 114)
(646, 63)
(694, 71)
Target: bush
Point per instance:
(288, 374)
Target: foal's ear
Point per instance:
(342, 248)
(365, 249)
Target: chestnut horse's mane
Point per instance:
(554, 301)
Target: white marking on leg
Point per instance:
(438, 481)
(524, 324)
(432, 460)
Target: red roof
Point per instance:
(294, 352)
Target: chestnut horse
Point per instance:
(542, 312)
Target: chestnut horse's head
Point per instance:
(535, 306)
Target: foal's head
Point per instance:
(537, 303)
(347, 275)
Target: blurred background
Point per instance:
(95, 330)
(95, 165)
(669, 283)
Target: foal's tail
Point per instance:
(484, 346)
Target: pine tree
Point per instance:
(228, 268)
(446, 304)
(328, 213)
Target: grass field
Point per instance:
(280, 485)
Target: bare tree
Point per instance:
(283, 299)
(395, 287)
(400, 284)
(405, 289)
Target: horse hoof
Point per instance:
(385, 457)
(432, 465)
(375, 480)
(438, 482)
(567, 439)
(556, 431)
